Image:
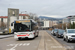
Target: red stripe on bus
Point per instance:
(23, 35)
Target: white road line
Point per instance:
(20, 44)
(15, 45)
(10, 45)
(28, 44)
(24, 44)
(13, 48)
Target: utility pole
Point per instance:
(21, 15)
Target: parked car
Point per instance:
(55, 31)
(60, 33)
(69, 35)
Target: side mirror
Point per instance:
(12, 24)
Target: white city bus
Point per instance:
(26, 28)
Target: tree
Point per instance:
(2, 25)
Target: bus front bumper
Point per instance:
(16, 37)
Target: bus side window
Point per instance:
(32, 26)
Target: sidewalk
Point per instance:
(6, 36)
(49, 43)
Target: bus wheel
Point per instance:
(19, 38)
(37, 36)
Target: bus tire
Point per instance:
(19, 38)
(37, 36)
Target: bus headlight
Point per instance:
(15, 33)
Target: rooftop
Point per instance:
(19, 15)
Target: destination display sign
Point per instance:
(23, 21)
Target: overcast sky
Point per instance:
(53, 8)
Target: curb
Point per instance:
(6, 37)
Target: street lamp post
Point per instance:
(21, 15)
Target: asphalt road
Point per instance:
(33, 44)
(25, 44)
(70, 45)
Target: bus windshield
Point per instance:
(23, 26)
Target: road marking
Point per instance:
(20, 44)
(11, 45)
(28, 44)
(13, 48)
(24, 44)
(15, 45)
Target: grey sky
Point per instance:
(52, 8)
